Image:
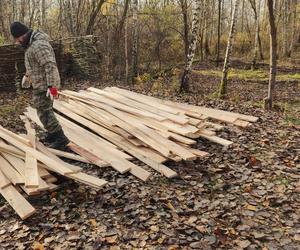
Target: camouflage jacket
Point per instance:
(40, 62)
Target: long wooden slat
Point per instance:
(16, 200)
(132, 103)
(213, 113)
(45, 151)
(31, 169)
(50, 163)
(125, 146)
(88, 179)
(135, 129)
(114, 104)
(142, 99)
(10, 172)
(88, 155)
(109, 156)
(70, 156)
(217, 140)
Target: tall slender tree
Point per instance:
(223, 84)
(273, 55)
(219, 31)
(193, 44)
(134, 62)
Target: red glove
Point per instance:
(52, 93)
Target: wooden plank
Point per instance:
(215, 126)
(17, 163)
(52, 187)
(88, 179)
(43, 173)
(50, 179)
(181, 119)
(111, 103)
(115, 116)
(21, 206)
(206, 132)
(217, 140)
(126, 146)
(31, 171)
(241, 123)
(85, 136)
(50, 163)
(4, 181)
(222, 115)
(89, 113)
(10, 172)
(143, 99)
(88, 155)
(177, 138)
(70, 156)
(15, 136)
(51, 155)
(195, 122)
(109, 156)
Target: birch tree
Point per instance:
(219, 31)
(193, 44)
(273, 55)
(223, 85)
(134, 62)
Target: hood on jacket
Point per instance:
(38, 35)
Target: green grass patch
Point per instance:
(288, 77)
(7, 109)
(244, 74)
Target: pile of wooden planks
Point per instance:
(115, 125)
(26, 166)
(108, 128)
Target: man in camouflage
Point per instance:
(43, 75)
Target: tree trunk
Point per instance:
(223, 85)
(273, 56)
(219, 32)
(134, 61)
(285, 29)
(294, 30)
(126, 50)
(91, 23)
(256, 10)
(184, 7)
(192, 47)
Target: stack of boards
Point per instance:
(108, 128)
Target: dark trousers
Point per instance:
(44, 107)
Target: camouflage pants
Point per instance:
(44, 107)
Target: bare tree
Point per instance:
(134, 62)
(257, 43)
(184, 8)
(273, 55)
(223, 85)
(219, 31)
(193, 44)
(95, 11)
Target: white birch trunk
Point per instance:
(193, 45)
(223, 85)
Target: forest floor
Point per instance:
(243, 197)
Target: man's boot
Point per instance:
(48, 139)
(60, 140)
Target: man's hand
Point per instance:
(26, 82)
(52, 92)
